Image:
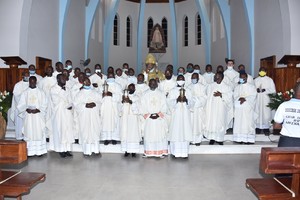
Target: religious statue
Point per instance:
(157, 44)
(151, 71)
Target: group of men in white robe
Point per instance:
(88, 108)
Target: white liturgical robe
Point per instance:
(130, 125)
(62, 135)
(95, 78)
(34, 126)
(219, 111)
(19, 88)
(264, 113)
(89, 120)
(180, 130)
(155, 130)
(110, 113)
(167, 85)
(244, 114)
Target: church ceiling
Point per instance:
(155, 1)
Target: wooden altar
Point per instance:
(10, 76)
(284, 73)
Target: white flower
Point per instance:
(292, 90)
(7, 93)
(279, 93)
(1, 108)
(0, 100)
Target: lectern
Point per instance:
(12, 183)
(280, 160)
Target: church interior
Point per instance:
(255, 33)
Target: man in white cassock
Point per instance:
(129, 123)
(201, 79)
(180, 131)
(32, 108)
(199, 98)
(58, 69)
(87, 105)
(168, 84)
(188, 74)
(218, 109)
(264, 86)
(208, 75)
(231, 74)
(62, 136)
(32, 72)
(19, 88)
(244, 111)
(120, 79)
(69, 83)
(98, 78)
(74, 92)
(242, 69)
(110, 111)
(141, 86)
(131, 77)
(46, 84)
(154, 109)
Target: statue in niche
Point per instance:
(157, 44)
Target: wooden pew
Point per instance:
(280, 160)
(15, 184)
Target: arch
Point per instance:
(149, 29)
(116, 30)
(164, 26)
(198, 30)
(128, 31)
(185, 31)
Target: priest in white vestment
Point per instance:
(120, 79)
(218, 109)
(110, 111)
(62, 136)
(98, 78)
(244, 111)
(180, 131)
(208, 75)
(141, 86)
(59, 67)
(19, 88)
(168, 84)
(32, 72)
(154, 109)
(46, 84)
(201, 79)
(87, 105)
(32, 108)
(242, 69)
(199, 97)
(188, 74)
(129, 123)
(264, 86)
(231, 74)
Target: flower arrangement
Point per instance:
(5, 103)
(277, 98)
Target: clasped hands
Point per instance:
(242, 100)
(32, 111)
(260, 90)
(90, 105)
(217, 94)
(154, 115)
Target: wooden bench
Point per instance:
(280, 160)
(12, 183)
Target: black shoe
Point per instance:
(106, 142)
(220, 143)
(114, 142)
(62, 154)
(40, 155)
(249, 143)
(266, 131)
(258, 131)
(76, 141)
(133, 155)
(69, 154)
(126, 154)
(211, 142)
(197, 144)
(47, 139)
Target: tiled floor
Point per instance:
(113, 177)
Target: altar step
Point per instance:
(229, 147)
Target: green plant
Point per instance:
(5, 103)
(278, 98)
